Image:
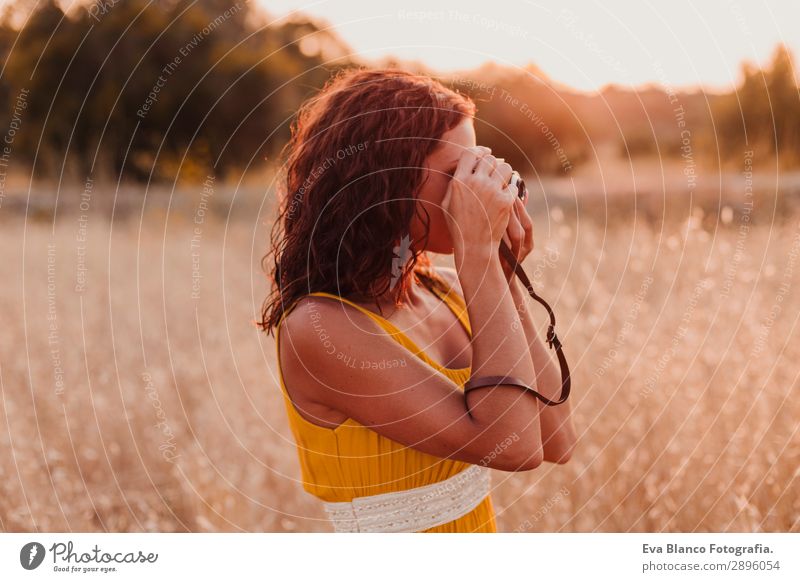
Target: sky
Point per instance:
(586, 45)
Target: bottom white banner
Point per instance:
(332, 557)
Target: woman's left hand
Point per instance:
(518, 236)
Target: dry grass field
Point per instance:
(137, 395)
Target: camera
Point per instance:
(518, 183)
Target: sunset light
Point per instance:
(582, 44)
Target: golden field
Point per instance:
(137, 395)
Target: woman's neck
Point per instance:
(410, 297)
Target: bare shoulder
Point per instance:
(314, 339)
(295, 336)
(312, 324)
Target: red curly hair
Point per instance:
(354, 164)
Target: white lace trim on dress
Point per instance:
(413, 510)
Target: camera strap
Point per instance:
(552, 339)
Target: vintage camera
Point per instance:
(518, 183)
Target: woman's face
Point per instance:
(440, 166)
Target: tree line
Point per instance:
(165, 89)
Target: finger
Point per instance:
(469, 159)
(482, 152)
(522, 212)
(520, 234)
(526, 222)
(466, 163)
(492, 161)
(486, 165)
(503, 171)
(515, 233)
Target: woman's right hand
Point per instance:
(479, 201)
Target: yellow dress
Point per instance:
(351, 460)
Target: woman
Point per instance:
(374, 343)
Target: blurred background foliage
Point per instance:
(227, 103)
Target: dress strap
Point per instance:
(384, 323)
(451, 298)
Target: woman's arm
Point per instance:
(558, 431)
(499, 346)
(557, 428)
